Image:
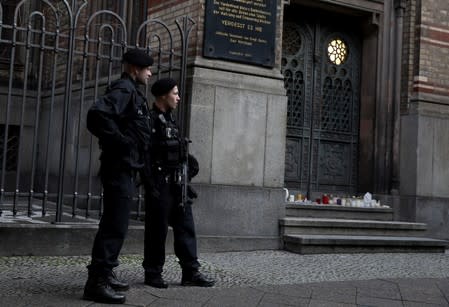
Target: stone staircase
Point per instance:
(324, 229)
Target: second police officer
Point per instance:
(163, 195)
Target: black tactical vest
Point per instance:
(166, 145)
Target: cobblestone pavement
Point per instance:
(260, 278)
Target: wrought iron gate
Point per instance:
(321, 67)
(56, 57)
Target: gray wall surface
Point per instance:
(425, 164)
(238, 126)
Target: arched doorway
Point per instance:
(321, 63)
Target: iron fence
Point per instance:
(56, 58)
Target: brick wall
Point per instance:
(169, 10)
(427, 41)
(408, 53)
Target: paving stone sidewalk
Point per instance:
(261, 278)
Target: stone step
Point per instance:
(340, 212)
(322, 226)
(330, 244)
(70, 239)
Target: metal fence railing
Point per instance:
(56, 58)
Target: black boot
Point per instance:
(97, 289)
(155, 280)
(116, 284)
(196, 279)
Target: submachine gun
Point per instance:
(187, 171)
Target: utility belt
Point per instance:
(172, 174)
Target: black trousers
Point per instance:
(119, 188)
(161, 211)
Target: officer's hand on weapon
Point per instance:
(191, 193)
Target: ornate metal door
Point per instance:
(321, 66)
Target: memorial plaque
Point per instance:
(241, 30)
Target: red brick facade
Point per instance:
(426, 49)
(168, 11)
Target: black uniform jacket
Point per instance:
(120, 121)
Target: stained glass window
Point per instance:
(337, 51)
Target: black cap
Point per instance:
(163, 86)
(137, 57)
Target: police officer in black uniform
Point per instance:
(163, 195)
(120, 121)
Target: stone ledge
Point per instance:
(319, 222)
(76, 240)
(325, 244)
(337, 207)
(333, 212)
(364, 240)
(227, 66)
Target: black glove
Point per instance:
(191, 193)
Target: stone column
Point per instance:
(238, 126)
(424, 146)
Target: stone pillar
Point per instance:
(425, 121)
(237, 126)
(237, 123)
